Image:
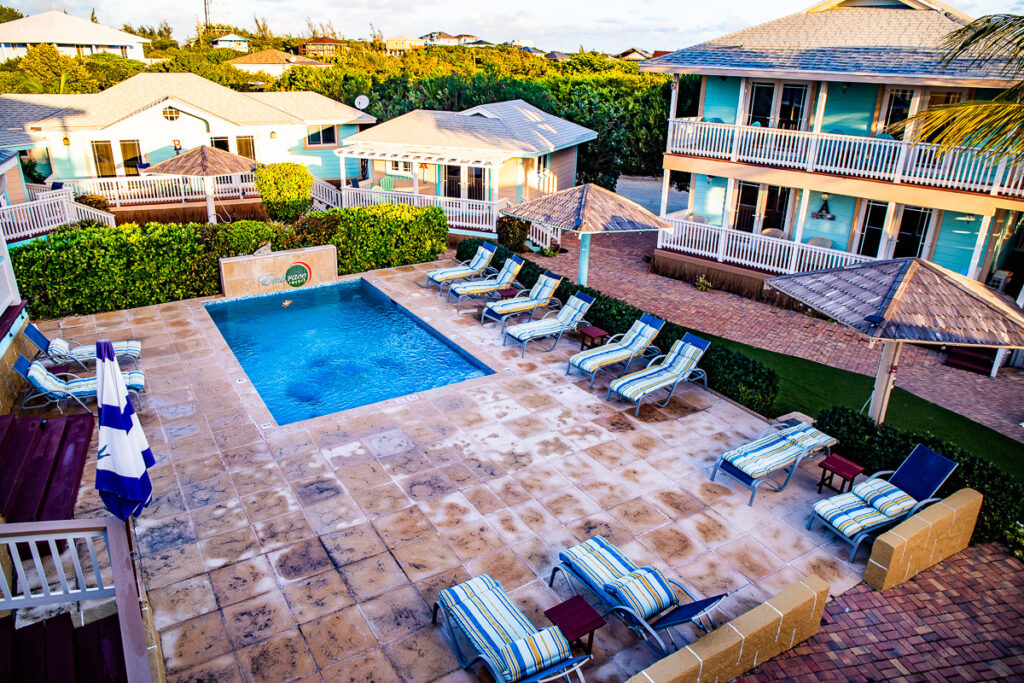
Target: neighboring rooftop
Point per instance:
(324, 41)
(890, 41)
(232, 37)
(59, 28)
(272, 56)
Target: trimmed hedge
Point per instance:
(92, 268)
(286, 189)
(730, 373)
(881, 447)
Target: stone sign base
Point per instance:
(278, 271)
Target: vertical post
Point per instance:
(415, 179)
(974, 270)
(885, 378)
(211, 211)
(673, 104)
(739, 114)
(463, 181)
(664, 192)
(727, 219)
(798, 229)
(581, 278)
(997, 179)
(887, 230)
(819, 116)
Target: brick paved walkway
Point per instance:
(617, 268)
(961, 620)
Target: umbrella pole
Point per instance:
(584, 260)
(885, 378)
(211, 212)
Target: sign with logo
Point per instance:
(278, 271)
(296, 275)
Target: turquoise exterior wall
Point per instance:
(842, 207)
(850, 112)
(720, 98)
(324, 163)
(955, 242)
(709, 198)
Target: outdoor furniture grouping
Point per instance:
(47, 388)
(474, 267)
(541, 295)
(488, 288)
(69, 351)
(664, 372)
(566, 319)
(620, 348)
(877, 503)
(772, 452)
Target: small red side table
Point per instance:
(575, 618)
(591, 337)
(508, 293)
(835, 465)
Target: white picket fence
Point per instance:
(467, 214)
(132, 190)
(55, 208)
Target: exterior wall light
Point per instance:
(66, 141)
(823, 214)
(273, 135)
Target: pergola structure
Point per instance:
(206, 163)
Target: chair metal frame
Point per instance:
(51, 397)
(557, 335)
(42, 342)
(646, 352)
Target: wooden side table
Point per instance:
(591, 337)
(835, 465)
(508, 293)
(575, 618)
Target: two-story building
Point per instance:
(231, 41)
(792, 161)
(72, 36)
(323, 48)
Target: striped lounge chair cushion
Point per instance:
(884, 497)
(476, 288)
(638, 338)
(807, 437)
(540, 295)
(646, 591)
(48, 383)
(764, 456)
(849, 514)
(61, 348)
(453, 273)
(568, 318)
(678, 364)
(527, 656)
(598, 562)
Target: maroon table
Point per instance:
(838, 465)
(508, 293)
(575, 618)
(591, 337)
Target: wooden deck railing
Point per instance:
(753, 251)
(53, 209)
(71, 561)
(851, 155)
(133, 190)
(470, 214)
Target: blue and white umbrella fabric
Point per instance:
(124, 454)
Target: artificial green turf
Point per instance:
(809, 387)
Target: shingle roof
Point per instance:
(57, 27)
(588, 209)
(909, 299)
(324, 41)
(884, 42)
(514, 127)
(272, 56)
(232, 37)
(204, 161)
(21, 113)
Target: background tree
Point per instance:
(9, 14)
(54, 72)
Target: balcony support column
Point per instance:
(415, 178)
(739, 120)
(463, 181)
(888, 230)
(974, 270)
(798, 229)
(665, 184)
(819, 116)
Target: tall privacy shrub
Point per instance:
(286, 190)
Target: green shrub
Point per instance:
(730, 373)
(881, 447)
(1015, 539)
(702, 284)
(91, 268)
(94, 200)
(512, 233)
(286, 190)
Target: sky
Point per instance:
(565, 25)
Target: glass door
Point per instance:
(103, 158)
(898, 104)
(246, 146)
(452, 181)
(872, 228)
(131, 156)
(746, 206)
(775, 208)
(914, 225)
(762, 101)
(792, 106)
(475, 182)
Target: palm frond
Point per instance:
(994, 130)
(996, 38)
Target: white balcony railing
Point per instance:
(752, 251)
(131, 190)
(861, 157)
(31, 219)
(467, 214)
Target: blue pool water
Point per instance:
(336, 347)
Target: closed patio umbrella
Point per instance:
(206, 163)
(907, 300)
(124, 454)
(587, 210)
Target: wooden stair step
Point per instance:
(15, 448)
(27, 499)
(62, 491)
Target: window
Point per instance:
(777, 105)
(872, 229)
(475, 178)
(103, 158)
(321, 135)
(452, 181)
(124, 51)
(171, 113)
(400, 168)
(543, 165)
(910, 239)
(131, 155)
(245, 146)
(746, 206)
(897, 108)
(220, 143)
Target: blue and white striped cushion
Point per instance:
(61, 348)
(597, 561)
(807, 437)
(568, 318)
(527, 656)
(678, 364)
(849, 514)
(884, 497)
(764, 456)
(638, 338)
(505, 278)
(544, 288)
(539, 295)
(48, 383)
(453, 273)
(646, 591)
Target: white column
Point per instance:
(729, 210)
(415, 177)
(665, 183)
(759, 207)
(673, 102)
(798, 229)
(739, 117)
(885, 378)
(819, 115)
(887, 230)
(463, 181)
(974, 270)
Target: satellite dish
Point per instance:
(362, 102)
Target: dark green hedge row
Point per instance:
(881, 447)
(90, 268)
(732, 374)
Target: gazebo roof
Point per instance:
(909, 299)
(204, 161)
(588, 209)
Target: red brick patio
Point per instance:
(962, 620)
(617, 268)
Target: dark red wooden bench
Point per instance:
(53, 651)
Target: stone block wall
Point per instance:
(11, 383)
(923, 540)
(792, 616)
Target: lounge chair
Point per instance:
(479, 614)
(678, 365)
(621, 348)
(488, 288)
(474, 267)
(642, 597)
(876, 504)
(540, 295)
(567, 319)
(47, 388)
(69, 351)
(773, 451)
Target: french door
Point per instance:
(761, 207)
(913, 235)
(452, 181)
(776, 104)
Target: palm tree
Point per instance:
(995, 128)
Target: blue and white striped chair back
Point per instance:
(482, 257)
(575, 308)
(509, 270)
(641, 333)
(545, 286)
(682, 358)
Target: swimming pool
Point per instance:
(320, 350)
